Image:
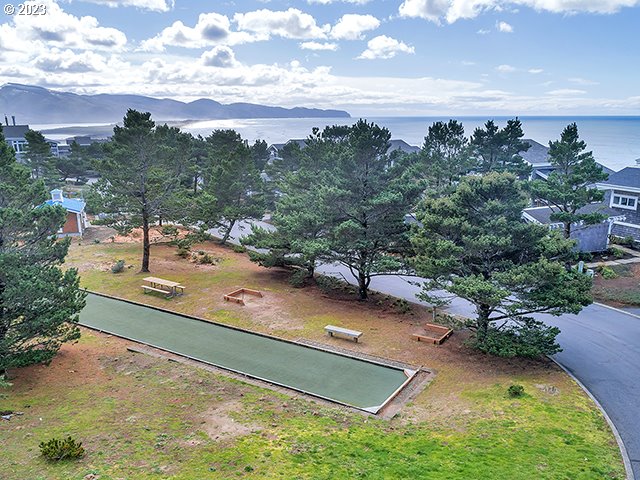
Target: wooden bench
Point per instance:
(168, 293)
(345, 332)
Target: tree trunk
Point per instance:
(482, 322)
(567, 230)
(146, 244)
(363, 286)
(227, 234)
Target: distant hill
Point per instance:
(32, 104)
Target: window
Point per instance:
(624, 201)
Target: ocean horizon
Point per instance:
(614, 140)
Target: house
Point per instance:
(621, 194)
(76, 222)
(589, 238)
(14, 136)
(275, 149)
(538, 157)
(402, 146)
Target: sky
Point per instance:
(369, 57)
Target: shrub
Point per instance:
(326, 283)
(207, 259)
(298, 279)
(608, 273)
(616, 252)
(628, 241)
(169, 231)
(117, 267)
(530, 339)
(402, 306)
(66, 449)
(515, 391)
(239, 249)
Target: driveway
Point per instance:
(601, 348)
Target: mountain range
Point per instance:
(32, 104)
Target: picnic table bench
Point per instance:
(160, 285)
(345, 332)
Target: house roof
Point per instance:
(399, 144)
(627, 177)
(14, 131)
(543, 214)
(537, 154)
(70, 204)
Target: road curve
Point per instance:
(601, 348)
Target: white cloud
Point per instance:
(582, 81)
(506, 68)
(504, 27)
(55, 61)
(564, 92)
(483, 32)
(33, 34)
(352, 26)
(220, 56)
(535, 71)
(453, 10)
(384, 47)
(291, 23)
(319, 46)
(153, 5)
(327, 2)
(210, 30)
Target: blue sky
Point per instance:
(386, 57)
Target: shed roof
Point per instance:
(71, 204)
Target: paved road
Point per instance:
(601, 347)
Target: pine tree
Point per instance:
(140, 174)
(39, 302)
(473, 244)
(445, 155)
(233, 187)
(367, 197)
(570, 186)
(38, 156)
(498, 149)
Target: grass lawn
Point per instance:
(144, 417)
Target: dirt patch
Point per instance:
(219, 425)
(268, 312)
(622, 291)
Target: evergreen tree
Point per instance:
(38, 156)
(75, 164)
(39, 302)
(140, 174)
(570, 186)
(473, 244)
(233, 187)
(367, 197)
(498, 149)
(445, 155)
(300, 218)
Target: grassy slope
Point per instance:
(146, 418)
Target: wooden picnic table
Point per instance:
(165, 285)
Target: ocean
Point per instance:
(615, 141)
